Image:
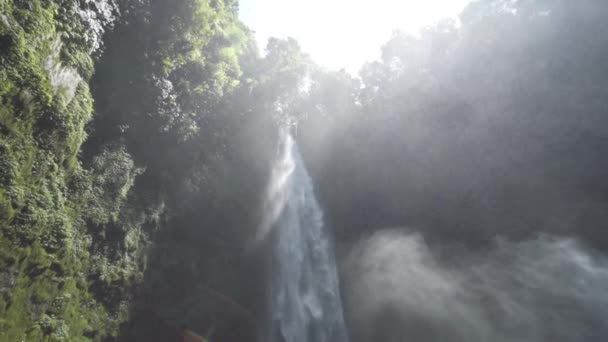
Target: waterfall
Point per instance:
(305, 303)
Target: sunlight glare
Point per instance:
(342, 33)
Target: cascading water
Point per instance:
(305, 303)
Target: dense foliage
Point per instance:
(78, 220)
(494, 127)
(136, 138)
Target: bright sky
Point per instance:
(343, 33)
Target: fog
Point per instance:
(546, 289)
(487, 140)
(161, 173)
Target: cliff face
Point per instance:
(47, 196)
(78, 220)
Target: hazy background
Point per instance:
(484, 139)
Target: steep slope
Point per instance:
(77, 222)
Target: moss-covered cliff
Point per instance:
(45, 243)
(92, 233)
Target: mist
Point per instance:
(166, 177)
(487, 140)
(492, 127)
(399, 288)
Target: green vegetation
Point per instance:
(75, 228)
(136, 137)
(45, 243)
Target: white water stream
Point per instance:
(305, 303)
